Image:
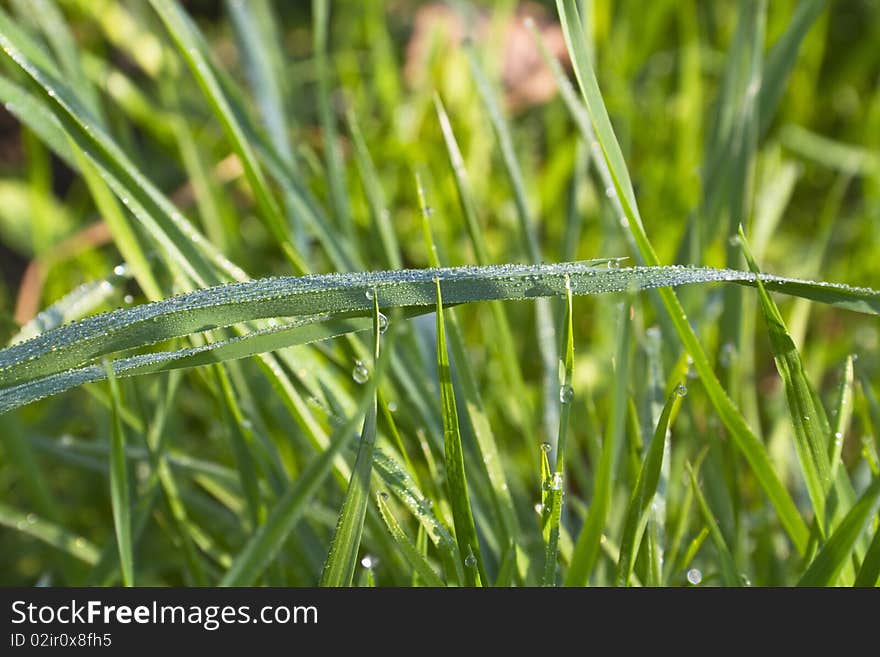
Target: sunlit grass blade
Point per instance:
(342, 560)
(729, 574)
(831, 559)
(808, 417)
(456, 482)
(412, 554)
(120, 496)
(744, 438)
(842, 416)
(643, 494)
(586, 550)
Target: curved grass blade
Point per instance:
(71, 345)
(342, 560)
(743, 437)
(834, 555)
(412, 554)
(49, 533)
(643, 494)
(119, 485)
(465, 530)
(808, 417)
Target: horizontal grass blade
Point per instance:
(49, 533)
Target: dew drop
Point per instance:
(31, 518)
(383, 323)
(369, 294)
(546, 447)
(556, 484)
(119, 270)
(539, 508)
(360, 373)
(369, 561)
(392, 407)
(470, 561)
(694, 576)
(128, 299)
(383, 495)
(610, 192)
(566, 393)
(681, 390)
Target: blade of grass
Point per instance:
(465, 531)
(870, 570)
(644, 491)
(342, 559)
(50, 533)
(807, 414)
(729, 574)
(834, 555)
(554, 484)
(119, 485)
(412, 554)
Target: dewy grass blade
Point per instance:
(744, 438)
(119, 484)
(269, 539)
(842, 416)
(50, 533)
(646, 487)
(834, 555)
(465, 531)
(74, 344)
(589, 541)
(811, 428)
(554, 483)
(342, 560)
(415, 558)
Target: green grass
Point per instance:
(353, 329)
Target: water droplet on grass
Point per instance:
(566, 393)
(694, 576)
(546, 447)
(369, 561)
(681, 390)
(360, 374)
(470, 561)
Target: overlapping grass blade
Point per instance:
(553, 484)
(412, 554)
(190, 46)
(120, 496)
(342, 559)
(312, 298)
(744, 438)
(269, 538)
(456, 482)
(643, 494)
(870, 571)
(835, 553)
